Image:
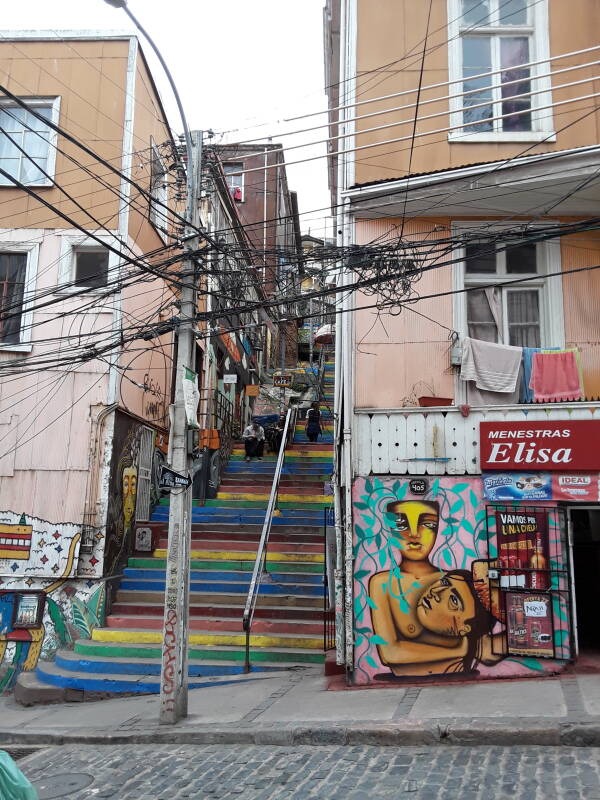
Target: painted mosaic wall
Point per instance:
(422, 600)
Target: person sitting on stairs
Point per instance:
(254, 441)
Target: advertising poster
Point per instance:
(502, 487)
(523, 544)
(529, 625)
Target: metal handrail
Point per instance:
(261, 554)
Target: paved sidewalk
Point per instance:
(296, 708)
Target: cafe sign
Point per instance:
(563, 445)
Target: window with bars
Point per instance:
(504, 314)
(26, 142)
(494, 48)
(13, 267)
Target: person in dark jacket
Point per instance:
(313, 422)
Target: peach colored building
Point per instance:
(86, 218)
(465, 167)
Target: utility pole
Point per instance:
(174, 667)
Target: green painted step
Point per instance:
(85, 647)
(297, 567)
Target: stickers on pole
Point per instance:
(191, 397)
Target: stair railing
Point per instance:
(260, 564)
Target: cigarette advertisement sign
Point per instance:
(528, 486)
(523, 545)
(529, 628)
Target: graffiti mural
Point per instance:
(422, 599)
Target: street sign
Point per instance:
(282, 381)
(169, 479)
(231, 378)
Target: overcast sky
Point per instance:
(236, 63)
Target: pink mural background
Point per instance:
(461, 539)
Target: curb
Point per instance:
(462, 732)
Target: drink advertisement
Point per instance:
(523, 545)
(501, 487)
(529, 626)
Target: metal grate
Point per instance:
(144, 487)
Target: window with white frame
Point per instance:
(522, 315)
(158, 191)
(501, 89)
(27, 142)
(235, 180)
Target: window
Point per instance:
(26, 142)
(235, 181)
(90, 267)
(513, 314)
(13, 268)
(492, 44)
(158, 191)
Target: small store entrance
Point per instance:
(585, 537)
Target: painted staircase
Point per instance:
(287, 632)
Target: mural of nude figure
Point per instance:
(427, 621)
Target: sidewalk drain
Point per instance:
(57, 786)
(409, 786)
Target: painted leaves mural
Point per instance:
(422, 602)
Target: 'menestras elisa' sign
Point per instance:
(563, 445)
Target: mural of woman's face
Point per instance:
(416, 526)
(129, 494)
(446, 606)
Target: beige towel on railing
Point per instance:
(492, 367)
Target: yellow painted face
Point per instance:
(416, 527)
(446, 606)
(129, 494)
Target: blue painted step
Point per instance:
(229, 588)
(239, 577)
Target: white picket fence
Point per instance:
(418, 442)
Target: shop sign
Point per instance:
(418, 485)
(557, 446)
(523, 545)
(528, 486)
(529, 624)
(282, 381)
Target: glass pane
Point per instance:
(480, 320)
(513, 12)
(38, 124)
(475, 12)
(522, 308)
(521, 258)
(12, 281)
(477, 58)
(480, 257)
(10, 165)
(11, 118)
(91, 268)
(515, 81)
(8, 149)
(35, 145)
(30, 173)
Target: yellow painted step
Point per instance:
(244, 555)
(256, 640)
(321, 499)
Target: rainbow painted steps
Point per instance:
(125, 655)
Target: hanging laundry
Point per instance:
(526, 395)
(556, 376)
(491, 371)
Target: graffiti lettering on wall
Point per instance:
(422, 600)
(155, 406)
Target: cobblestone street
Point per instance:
(357, 773)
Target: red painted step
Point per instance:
(222, 625)
(256, 488)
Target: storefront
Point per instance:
(482, 575)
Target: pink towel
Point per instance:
(555, 377)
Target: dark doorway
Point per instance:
(586, 566)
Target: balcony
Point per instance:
(440, 441)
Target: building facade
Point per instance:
(468, 370)
(87, 224)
